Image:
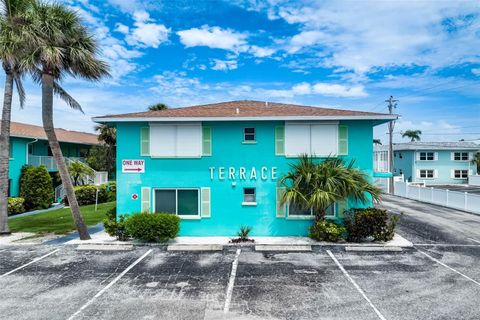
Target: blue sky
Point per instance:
(340, 54)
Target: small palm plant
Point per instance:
(319, 185)
(476, 161)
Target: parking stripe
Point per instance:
(474, 240)
(448, 267)
(339, 265)
(231, 282)
(444, 245)
(89, 302)
(27, 264)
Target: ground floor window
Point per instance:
(427, 174)
(298, 211)
(182, 202)
(249, 196)
(460, 174)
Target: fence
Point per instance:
(452, 199)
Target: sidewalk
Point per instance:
(31, 213)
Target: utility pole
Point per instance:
(392, 104)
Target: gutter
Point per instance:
(26, 151)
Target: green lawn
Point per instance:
(58, 221)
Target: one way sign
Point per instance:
(133, 166)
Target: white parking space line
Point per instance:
(27, 264)
(445, 245)
(474, 240)
(339, 265)
(89, 302)
(448, 267)
(231, 282)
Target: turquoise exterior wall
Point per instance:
(443, 165)
(18, 158)
(227, 212)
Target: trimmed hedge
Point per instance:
(16, 206)
(153, 227)
(86, 194)
(370, 222)
(36, 187)
(116, 228)
(327, 231)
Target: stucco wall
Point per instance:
(227, 212)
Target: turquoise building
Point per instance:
(218, 166)
(435, 162)
(29, 145)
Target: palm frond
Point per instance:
(17, 78)
(59, 91)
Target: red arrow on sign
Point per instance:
(135, 169)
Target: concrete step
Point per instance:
(283, 248)
(195, 247)
(372, 249)
(104, 247)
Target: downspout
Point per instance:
(26, 151)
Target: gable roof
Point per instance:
(23, 130)
(420, 145)
(245, 110)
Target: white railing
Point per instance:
(48, 161)
(474, 180)
(452, 199)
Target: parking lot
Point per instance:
(438, 279)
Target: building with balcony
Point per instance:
(29, 145)
(218, 166)
(430, 162)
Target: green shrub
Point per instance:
(116, 228)
(326, 231)
(153, 227)
(244, 232)
(86, 194)
(36, 187)
(370, 222)
(15, 206)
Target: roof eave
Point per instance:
(278, 118)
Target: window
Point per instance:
(176, 140)
(248, 134)
(296, 211)
(460, 174)
(426, 174)
(312, 139)
(30, 148)
(249, 196)
(182, 202)
(460, 156)
(426, 156)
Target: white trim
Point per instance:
(249, 204)
(185, 119)
(185, 217)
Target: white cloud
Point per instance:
(260, 52)
(146, 33)
(476, 71)
(224, 64)
(214, 37)
(120, 27)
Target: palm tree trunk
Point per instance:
(320, 214)
(47, 117)
(5, 150)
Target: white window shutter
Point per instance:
(297, 139)
(452, 156)
(435, 156)
(145, 199)
(162, 140)
(206, 205)
(418, 173)
(324, 140)
(435, 173)
(417, 155)
(189, 140)
(281, 210)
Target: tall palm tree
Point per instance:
(319, 185)
(377, 141)
(15, 37)
(66, 48)
(157, 107)
(476, 161)
(413, 135)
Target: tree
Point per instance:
(157, 107)
(103, 157)
(377, 141)
(319, 185)
(14, 40)
(79, 172)
(413, 135)
(65, 48)
(476, 161)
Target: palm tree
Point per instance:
(108, 135)
(413, 135)
(320, 185)
(476, 161)
(14, 40)
(377, 141)
(157, 107)
(66, 48)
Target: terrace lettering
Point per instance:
(242, 173)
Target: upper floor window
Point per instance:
(249, 134)
(316, 139)
(460, 156)
(249, 196)
(426, 156)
